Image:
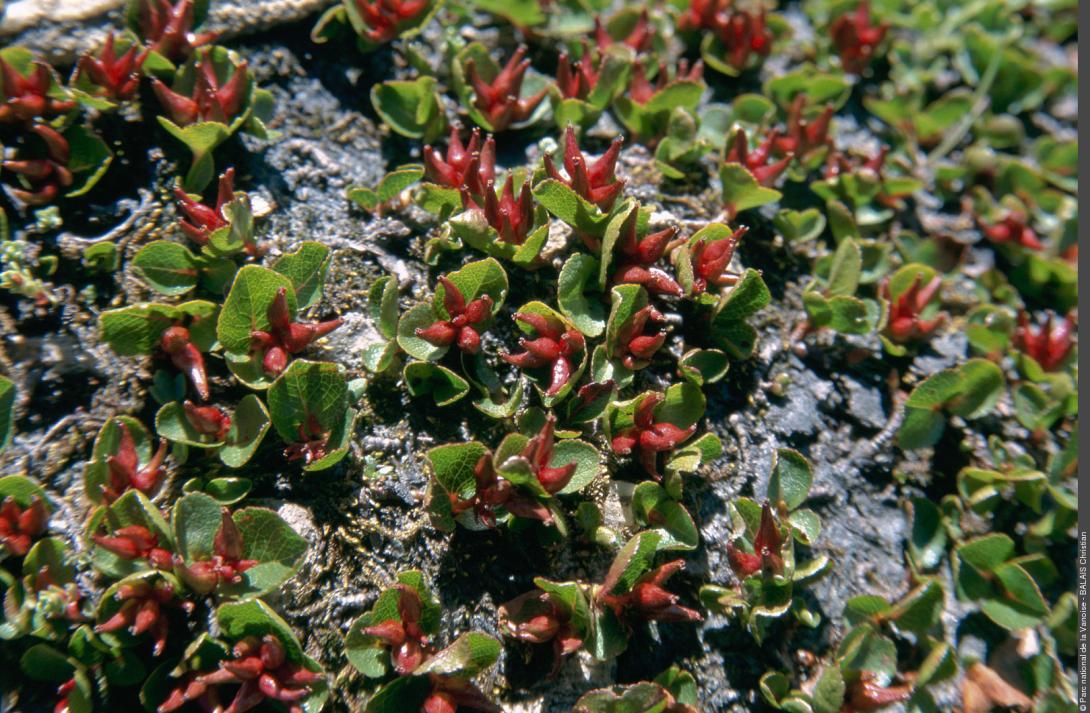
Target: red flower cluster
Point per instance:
(512, 218)
(640, 89)
(226, 564)
(638, 39)
(635, 348)
(1049, 345)
(142, 611)
(491, 492)
(767, 555)
(313, 443)
(636, 258)
(202, 220)
(856, 38)
(470, 167)
(46, 175)
(116, 76)
(539, 453)
(836, 163)
(577, 79)
(711, 258)
(26, 98)
(186, 357)
(649, 600)
(536, 618)
(208, 99)
(741, 32)
(409, 646)
(262, 668)
(759, 161)
(804, 135)
(459, 328)
(168, 28)
(555, 346)
(501, 101)
(904, 323)
(649, 437)
(595, 182)
(125, 470)
(386, 19)
(208, 420)
(1013, 228)
(286, 336)
(20, 526)
(136, 542)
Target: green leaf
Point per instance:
(277, 548)
(255, 618)
(474, 280)
(411, 108)
(306, 389)
(587, 463)
(195, 519)
(171, 423)
(89, 159)
(799, 226)
(921, 609)
(570, 207)
(653, 507)
(741, 191)
(246, 308)
(169, 268)
(7, 408)
(470, 654)
(703, 366)
(927, 543)
(444, 385)
(307, 268)
(846, 266)
(1018, 604)
(382, 306)
(135, 330)
(228, 491)
(987, 552)
(634, 559)
(828, 693)
(728, 327)
(579, 273)
(249, 424)
(419, 316)
(453, 465)
(790, 480)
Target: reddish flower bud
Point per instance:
(595, 182)
(758, 161)
(767, 553)
(635, 348)
(803, 135)
(47, 173)
(512, 218)
(866, 694)
(711, 258)
(576, 79)
(636, 257)
(501, 101)
(387, 19)
(19, 527)
(640, 90)
(313, 443)
(470, 167)
(202, 220)
(26, 98)
(286, 336)
(142, 611)
(905, 323)
(649, 600)
(743, 33)
(856, 38)
(116, 77)
(186, 357)
(1013, 228)
(461, 326)
(554, 348)
(168, 28)
(638, 39)
(261, 671)
(1049, 345)
(649, 437)
(208, 99)
(126, 471)
(208, 420)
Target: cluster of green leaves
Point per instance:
(437, 669)
(762, 598)
(60, 637)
